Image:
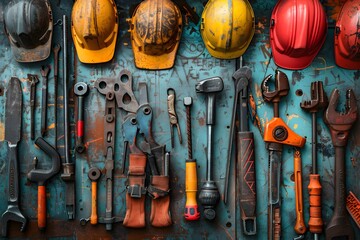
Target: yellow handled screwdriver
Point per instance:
(191, 212)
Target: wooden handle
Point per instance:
(41, 207)
(93, 217)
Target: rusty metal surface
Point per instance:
(193, 63)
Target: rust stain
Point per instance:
(201, 121)
(95, 129)
(2, 131)
(258, 91)
(52, 126)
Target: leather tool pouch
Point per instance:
(135, 192)
(160, 204)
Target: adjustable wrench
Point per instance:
(340, 125)
(245, 155)
(276, 134)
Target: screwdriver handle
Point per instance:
(299, 227)
(315, 221)
(191, 207)
(94, 216)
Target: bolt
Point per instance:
(280, 133)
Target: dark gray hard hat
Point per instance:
(29, 27)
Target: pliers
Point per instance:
(172, 115)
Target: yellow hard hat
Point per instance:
(227, 27)
(155, 28)
(94, 28)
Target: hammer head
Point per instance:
(210, 85)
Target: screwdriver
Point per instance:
(191, 207)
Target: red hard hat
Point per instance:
(347, 36)
(297, 32)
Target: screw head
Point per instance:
(187, 101)
(280, 133)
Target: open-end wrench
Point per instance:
(340, 125)
(33, 81)
(80, 90)
(13, 136)
(44, 73)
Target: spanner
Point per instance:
(80, 90)
(44, 73)
(33, 81)
(340, 124)
(56, 50)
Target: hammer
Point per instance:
(209, 195)
(41, 176)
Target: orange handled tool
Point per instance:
(318, 101)
(191, 212)
(41, 176)
(315, 220)
(299, 227)
(353, 207)
(94, 175)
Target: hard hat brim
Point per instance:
(226, 55)
(37, 54)
(95, 56)
(345, 62)
(292, 63)
(151, 62)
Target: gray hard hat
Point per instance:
(29, 27)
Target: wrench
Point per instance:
(80, 90)
(56, 50)
(33, 81)
(340, 125)
(44, 73)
